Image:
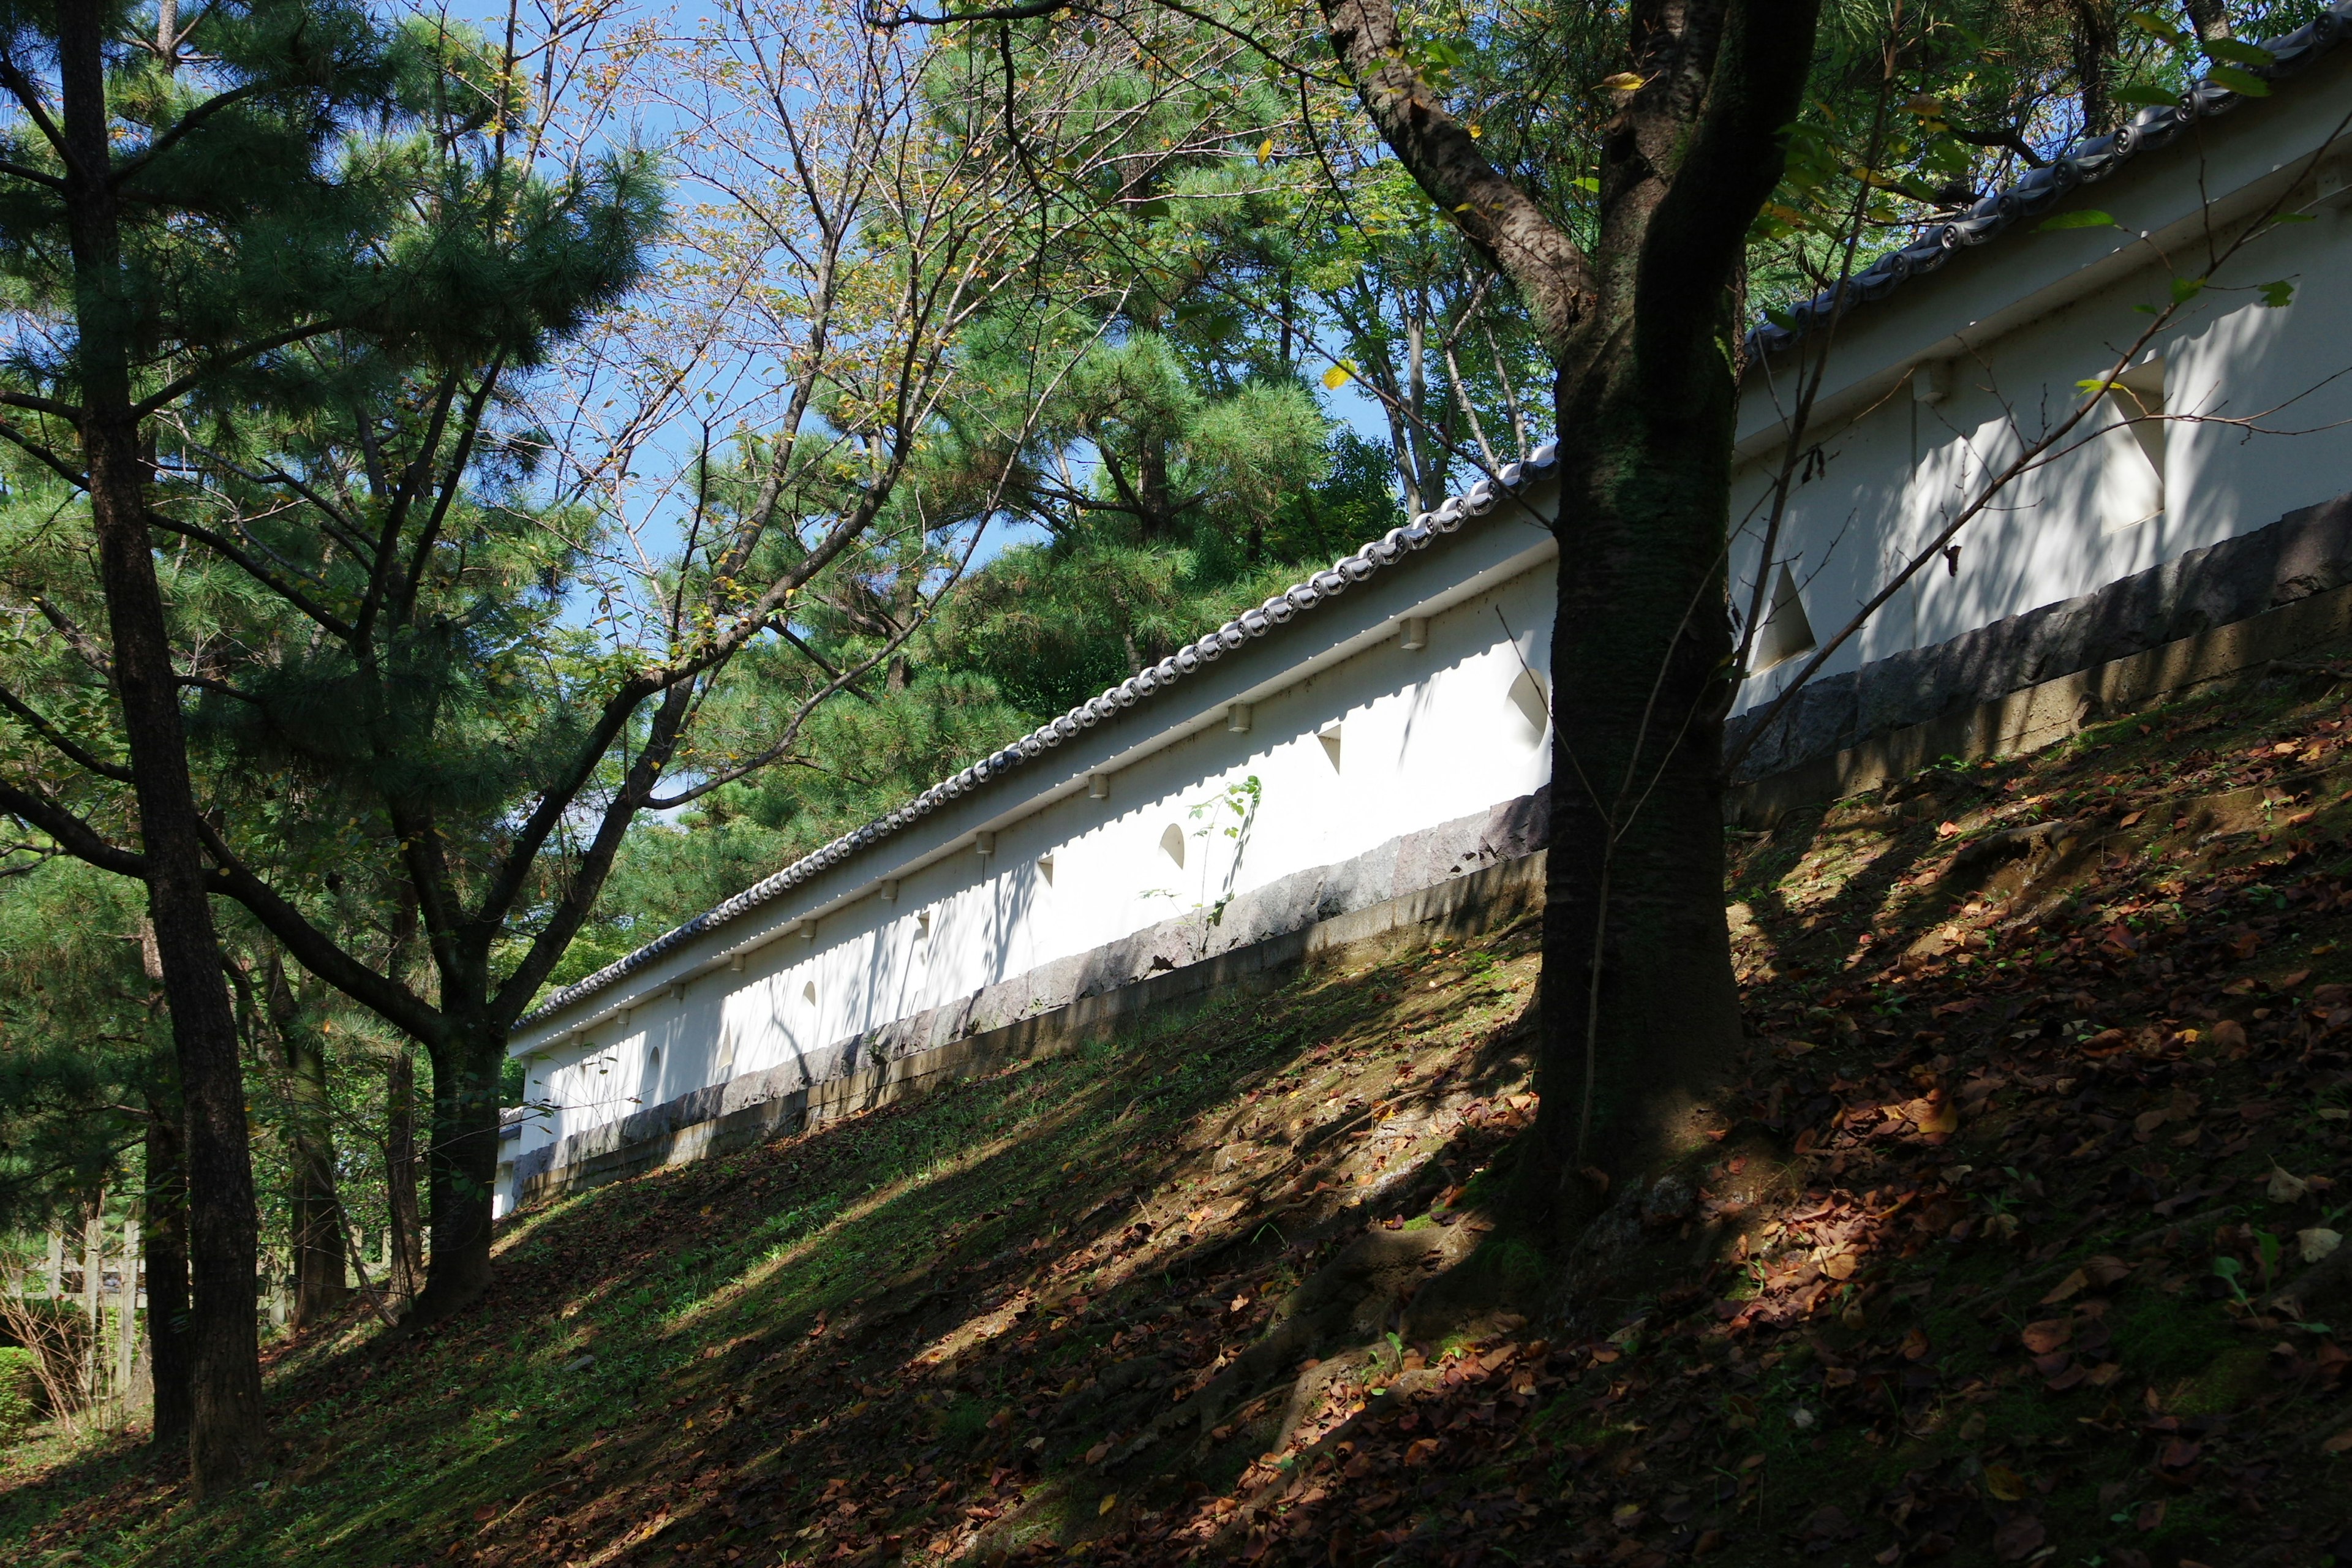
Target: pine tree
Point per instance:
(185, 206)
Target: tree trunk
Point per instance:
(225, 1365)
(1636, 866)
(1638, 1001)
(461, 1167)
(316, 1212)
(2093, 44)
(400, 1175)
(165, 1204)
(1157, 500)
(2211, 18)
(1640, 1008)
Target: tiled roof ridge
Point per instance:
(2041, 188)
(1476, 502)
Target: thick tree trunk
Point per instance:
(165, 1234)
(226, 1367)
(461, 1166)
(400, 1175)
(1638, 999)
(315, 1210)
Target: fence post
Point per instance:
(57, 1267)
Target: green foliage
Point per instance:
(84, 1045)
(20, 1392)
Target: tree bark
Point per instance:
(461, 1166)
(2211, 18)
(1638, 1002)
(2093, 44)
(165, 1206)
(315, 1210)
(400, 1175)
(225, 1368)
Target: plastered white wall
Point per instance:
(2255, 401)
(1381, 744)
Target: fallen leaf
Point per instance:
(2004, 1483)
(2066, 1289)
(1840, 1267)
(1109, 1501)
(2285, 1187)
(2340, 1443)
(2020, 1539)
(2046, 1336)
(2228, 1035)
(2318, 1242)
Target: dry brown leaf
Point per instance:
(2044, 1337)
(2020, 1539)
(2066, 1289)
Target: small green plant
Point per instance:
(2268, 1246)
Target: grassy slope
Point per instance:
(2031, 1043)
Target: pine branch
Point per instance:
(76, 836)
(63, 743)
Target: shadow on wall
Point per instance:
(1412, 877)
(2306, 553)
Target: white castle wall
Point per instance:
(1929, 389)
(1357, 748)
